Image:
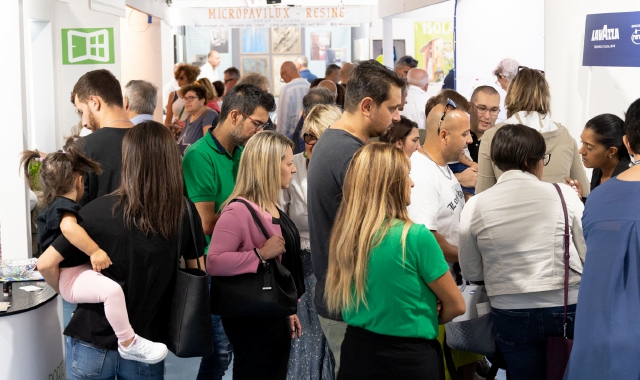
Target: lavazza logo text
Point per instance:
(605, 34)
(635, 37)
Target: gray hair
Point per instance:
(303, 61)
(254, 79)
(508, 68)
(142, 95)
(315, 96)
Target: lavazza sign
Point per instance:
(605, 34)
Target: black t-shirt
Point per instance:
(474, 147)
(105, 147)
(144, 266)
(331, 157)
(48, 220)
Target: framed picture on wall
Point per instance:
(255, 64)
(276, 62)
(286, 40)
(254, 41)
(320, 42)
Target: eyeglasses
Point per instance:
(309, 139)
(546, 159)
(450, 103)
(492, 111)
(181, 77)
(256, 123)
(229, 80)
(189, 99)
(525, 67)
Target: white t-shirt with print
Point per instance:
(436, 201)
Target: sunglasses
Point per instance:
(525, 67)
(451, 104)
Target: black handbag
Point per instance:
(271, 291)
(190, 332)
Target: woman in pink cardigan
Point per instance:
(261, 344)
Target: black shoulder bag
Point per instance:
(271, 291)
(190, 333)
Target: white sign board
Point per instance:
(281, 17)
(113, 7)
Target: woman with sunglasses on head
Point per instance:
(310, 356)
(200, 116)
(512, 237)
(184, 74)
(404, 135)
(528, 102)
(603, 150)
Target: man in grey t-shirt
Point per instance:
(371, 105)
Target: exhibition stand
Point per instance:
(31, 334)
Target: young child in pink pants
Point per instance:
(60, 180)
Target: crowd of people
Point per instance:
(376, 235)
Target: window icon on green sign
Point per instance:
(87, 46)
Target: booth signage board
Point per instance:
(112, 7)
(612, 39)
(281, 17)
(88, 46)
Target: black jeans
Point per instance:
(261, 346)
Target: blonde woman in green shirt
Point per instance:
(387, 275)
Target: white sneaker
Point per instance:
(143, 350)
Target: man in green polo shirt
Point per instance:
(210, 167)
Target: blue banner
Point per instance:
(612, 39)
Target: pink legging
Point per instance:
(82, 284)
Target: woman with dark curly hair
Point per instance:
(176, 113)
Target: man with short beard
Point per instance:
(97, 97)
(210, 167)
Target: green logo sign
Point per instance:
(87, 46)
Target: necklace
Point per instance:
(117, 121)
(440, 168)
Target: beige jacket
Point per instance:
(565, 160)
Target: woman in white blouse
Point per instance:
(310, 356)
(512, 238)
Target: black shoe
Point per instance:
(482, 369)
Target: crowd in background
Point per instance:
(378, 235)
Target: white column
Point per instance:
(15, 232)
(387, 41)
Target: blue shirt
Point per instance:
(290, 105)
(140, 118)
(308, 75)
(606, 331)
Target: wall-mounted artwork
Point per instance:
(320, 42)
(286, 40)
(277, 61)
(254, 41)
(257, 64)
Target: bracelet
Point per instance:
(258, 254)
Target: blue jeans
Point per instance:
(85, 361)
(213, 367)
(521, 336)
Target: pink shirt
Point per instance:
(234, 237)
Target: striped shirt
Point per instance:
(290, 105)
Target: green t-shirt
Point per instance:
(400, 302)
(210, 171)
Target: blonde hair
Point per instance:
(374, 196)
(320, 118)
(259, 170)
(528, 91)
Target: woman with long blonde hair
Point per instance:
(261, 343)
(387, 274)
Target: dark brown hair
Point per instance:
(461, 102)
(399, 131)
(100, 83)
(370, 79)
(200, 90)
(57, 172)
(632, 126)
(190, 71)
(151, 188)
(517, 147)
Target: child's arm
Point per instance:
(467, 161)
(81, 240)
